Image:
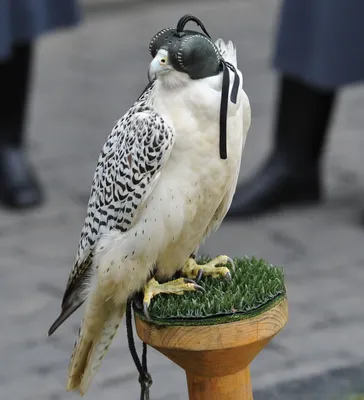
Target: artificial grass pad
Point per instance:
(255, 287)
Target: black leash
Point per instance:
(145, 379)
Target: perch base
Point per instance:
(236, 386)
(216, 358)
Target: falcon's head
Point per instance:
(180, 55)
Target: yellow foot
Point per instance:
(195, 271)
(177, 286)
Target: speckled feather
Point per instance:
(134, 153)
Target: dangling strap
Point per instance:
(224, 103)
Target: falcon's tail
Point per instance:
(227, 50)
(99, 326)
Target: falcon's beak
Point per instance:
(159, 65)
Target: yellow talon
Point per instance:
(177, 286)
(195, 271)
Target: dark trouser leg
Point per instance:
(291, 175)
(18, 186)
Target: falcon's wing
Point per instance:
(129, 166)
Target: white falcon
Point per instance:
(162, 184)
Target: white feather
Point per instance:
(228, 51)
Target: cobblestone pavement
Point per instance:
(85, 80)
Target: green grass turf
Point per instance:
(255, 287)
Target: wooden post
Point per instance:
(216, 358)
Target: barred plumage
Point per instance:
(129, 163)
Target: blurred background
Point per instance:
(85, 78)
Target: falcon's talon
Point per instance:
(232, 263)
(196, 286)
(193, 270)
(199, 288)
(187, 280)
(145, 310)
(199, 275)
(177, 286)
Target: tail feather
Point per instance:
(98, 329)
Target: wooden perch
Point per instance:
(217, 358)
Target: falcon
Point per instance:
(164, 181)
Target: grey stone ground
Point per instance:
(85, 80)
(334, 384)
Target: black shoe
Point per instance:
(18, 186)
(291, 174)
(274, 186)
